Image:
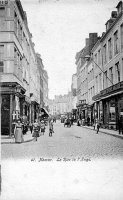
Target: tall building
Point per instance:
(109, 84)
(82, 75)
(19, 71)
(100, 78)
(74, 95)
(62, 104)
(45, 89)
(41, 71)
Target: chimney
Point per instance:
(87, 42)
(103, 33)
(93, 38)
(114, 14)
(111, 20)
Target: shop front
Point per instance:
(110, 106)
(11, 94)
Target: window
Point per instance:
(15, 61)
(105, 79)
(104, 53)
(2, 11)
(116, 42)
(99, 57)
(121, 32)
(110, 48)
(1, 52)
(95, 59)
(96, 84)
(1, 57)
(111, 74)
(117, 72)
(100, 81)
(15, 23)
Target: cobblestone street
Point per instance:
(66, 142)
(47, 180)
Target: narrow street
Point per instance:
(74, 142)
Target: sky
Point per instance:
(59, 29)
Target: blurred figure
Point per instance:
(51, 128)
(120, 125)
(31, 127)
(88, 121)
(97, 125)
(36, 129)
(42, 127)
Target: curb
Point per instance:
(118, 136)
(12, 142)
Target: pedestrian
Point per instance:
(36, 130)
(78, 122)
(120, 124)
(51, 128)
(97, 125)
(31, 127)
(94, 123)
(88, 121)
(18, 132)
(25, 128)
(42, 127)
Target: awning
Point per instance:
(43, 110)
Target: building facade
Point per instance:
(100, 77)
(74, 95)
(45, 89)
(19, 72)
(109, 84)
(61, 104)
(82, 76)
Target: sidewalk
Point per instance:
(106, 131)
(6, 139)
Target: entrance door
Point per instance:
(5, 115)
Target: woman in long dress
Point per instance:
(18, 132)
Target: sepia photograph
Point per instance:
(61, 99)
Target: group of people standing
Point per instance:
(19, 129)
(37, 128)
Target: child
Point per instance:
(42, 126)
(51, 128)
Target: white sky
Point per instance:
(59, 29)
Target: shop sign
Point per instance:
(3, 2)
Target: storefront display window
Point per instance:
(112, 110)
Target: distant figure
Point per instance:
(97, 125)
(36, 130)
(120, 124)
(42, 127)
(88, 121)
(51, 128)
(78, 122)
(31, 127)
(25, 128)
(18, 132)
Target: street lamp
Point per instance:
(89, 57)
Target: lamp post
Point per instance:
(89, 57)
